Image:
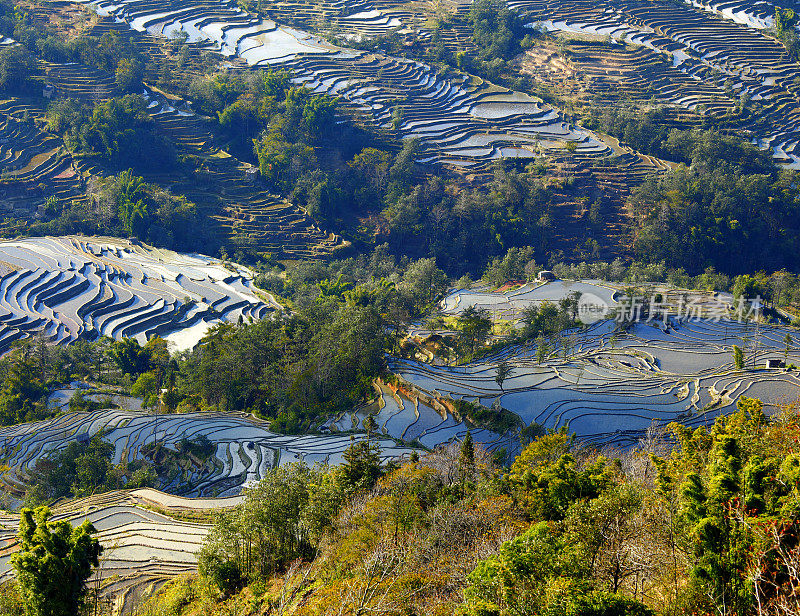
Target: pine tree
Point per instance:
(542, 349)
(721, 543)
(370, 425)
(362, 465)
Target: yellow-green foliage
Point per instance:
(409, 545)
(680, 525)
(10, 600)
(172, 600)
(188, 596)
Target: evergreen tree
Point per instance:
(362, 465)
(474, 325)
(54, 564)
(502, 372)
(714, 503)
(738, 358)
(22, 390)
(541, 572)
(370, 425)
(466, 457)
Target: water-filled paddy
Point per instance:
(609, 388)
(70, 287)
(245, 449)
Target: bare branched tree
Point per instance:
(776, 571)
(375, 588)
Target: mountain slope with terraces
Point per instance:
(34, 165)
(705, 58)
(74, 287)
(246, 214)
(725, 59)
(459, 120)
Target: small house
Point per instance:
(545, 276)
(775, 363)
(48, 91)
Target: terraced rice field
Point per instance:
(609, 383)
(34, 165)
(606, 381)
(143, 548)
(245, 449)
(405, 415)
(459, 120)
(715, 53)
(510, 304)
(80, 82)
(351, 19)
(720, 46)
(600, 72)
(64, 288)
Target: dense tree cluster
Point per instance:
(727, 206)
(151, 213)
(31, 370)
(322, 357)
(292, 370)
(282, 519)
(83, 469)
(264, 110)
(24, 394)
(124, 205)
(465, 229)
(17, 69)
(717, 215)
(118, 131)
(400, 288)
(498, 32)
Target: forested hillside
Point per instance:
(688, 522)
